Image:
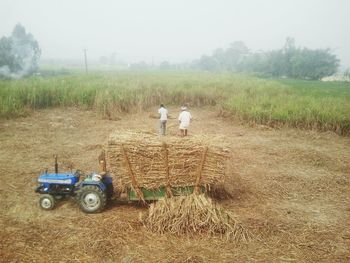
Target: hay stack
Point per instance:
(193, 214)
(148, 160)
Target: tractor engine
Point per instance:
(57, 184)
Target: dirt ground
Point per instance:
(290, 188)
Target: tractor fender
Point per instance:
(107, 180)
(100, 184)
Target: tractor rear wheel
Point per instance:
(91, 199)
(47, 202)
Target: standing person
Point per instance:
(184, 120)
(163, 112)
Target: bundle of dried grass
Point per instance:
(193, 214)
(148, 160)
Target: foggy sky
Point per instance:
(178, 30)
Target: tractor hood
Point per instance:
(63, 178)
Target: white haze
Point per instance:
(25, 51)
(177, 31)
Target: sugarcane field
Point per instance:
(174, 131)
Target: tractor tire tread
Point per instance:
(89, 188)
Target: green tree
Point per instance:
(235, 55)
(208, 63)
(313, 64)
(289, 61)
(230, 59)
(289, 51)
(7, 58)
(275, 63)
(293, 62)
(19, 53)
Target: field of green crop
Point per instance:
(294, 103)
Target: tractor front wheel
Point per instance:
(91, 199)
(47, 202)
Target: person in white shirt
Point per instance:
(163, 112)
(184, 120)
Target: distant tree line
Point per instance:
(19, 54)
(289, 61)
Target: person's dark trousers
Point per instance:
(162, 127)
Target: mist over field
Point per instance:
(155, 31)
(230, 116)
(170, 41)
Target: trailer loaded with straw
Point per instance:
(140, 167)
(145, 166)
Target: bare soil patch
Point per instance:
(290, 188)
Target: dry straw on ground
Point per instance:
(193, 214)
(151, 161)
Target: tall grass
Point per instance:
(311, 105)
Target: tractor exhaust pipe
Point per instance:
(102, 163)
(56, 164)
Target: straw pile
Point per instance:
(193, 214)
(147, 160)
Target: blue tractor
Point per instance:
(91, 193)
